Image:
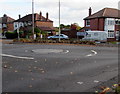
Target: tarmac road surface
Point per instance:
(56, 68)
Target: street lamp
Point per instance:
(59, 21)
(18, 31)
(33, 19)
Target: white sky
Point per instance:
(72, 11)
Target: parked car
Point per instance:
(62, 36)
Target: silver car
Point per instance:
(62, 36)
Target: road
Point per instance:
(56, 68)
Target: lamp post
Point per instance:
(59, 21)
(33, 19)
(18, 31)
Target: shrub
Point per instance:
(37, 30)
(21, 34)
(11, 35)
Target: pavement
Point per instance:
(57, 68)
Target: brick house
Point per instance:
(6, 23)
(44, 23)
(107, 19)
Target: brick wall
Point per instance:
(10, 27)
(96, 24)
(117, 27)
(44, 24)
(101, 24)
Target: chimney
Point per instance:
(46, 16)
(40, 15)
(90, 11)
(4, 15)
(19, 16)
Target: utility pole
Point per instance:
(33, 19)
(18, 31)
(59, 21)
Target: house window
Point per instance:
(4, 25)
(111, 22)
(111, 34)
(117, 22)
(15, 25)
(25, 24)
(87, 23)
(20, 24)
(117, 32)
(29, 23)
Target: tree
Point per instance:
(62, 26)
(68, 26)
(75, 26)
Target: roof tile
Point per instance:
(106, 12)
(29, 18)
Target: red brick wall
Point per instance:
(96, 24)
(10, 27)
(101, 24)
(44, 24)
(117, 27)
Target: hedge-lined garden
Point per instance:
(70, 41)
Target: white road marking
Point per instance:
(94, 53)
(16, 56)
(89, 55)
(46, 51)
(67, 51)
(80, 83)
(26, 50)
(96, 81)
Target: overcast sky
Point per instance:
(72, 11)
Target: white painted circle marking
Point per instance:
(47, 51)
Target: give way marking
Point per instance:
(16, 56)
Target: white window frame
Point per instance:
(111, 34)
(87, 21)
(111, 22)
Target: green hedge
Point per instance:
(55, 41)
(11, 35)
